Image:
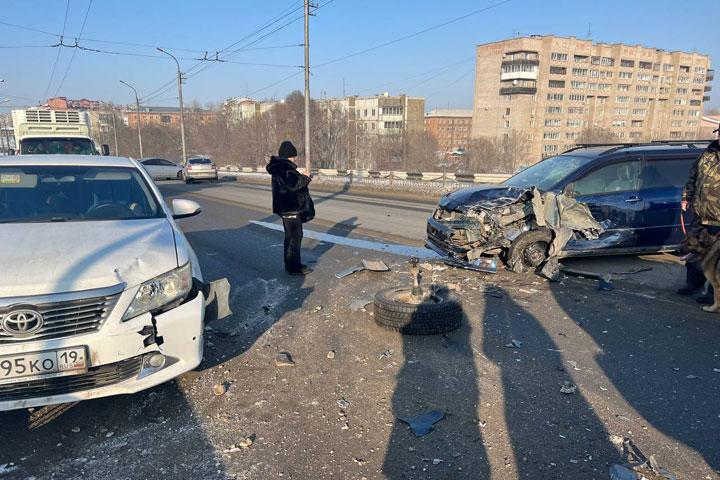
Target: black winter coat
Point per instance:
(290, 190)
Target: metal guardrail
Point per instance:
(387, 174)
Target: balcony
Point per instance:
(518, 91)
(708, 88)
(706, 98)
(518, 76)
(522, 61)
(710, 75)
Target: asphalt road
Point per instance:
(643, 363)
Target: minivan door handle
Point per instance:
(633, 199)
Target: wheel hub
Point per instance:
(535, 253)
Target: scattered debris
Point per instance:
(284, 359)
(692, 376)
(436, 461)
(241, 445)
(574, 364)
(359, 303)
(372, 265)
(75, 430)
(585, 274)
(432, 266)
(567, 387)
(359, 461)
(634, 271)
(220, 389)
(331, 354)
(514, 344)
(572, 460)
(623, 418)
(531, 291)
(424, 423)
(342, 403)
(605, 285)
(385, 354)
(634, 459)
(717, 370)
(618, 472)
(483, 265)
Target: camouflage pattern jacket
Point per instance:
(702, 189)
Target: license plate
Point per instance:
(24, 367)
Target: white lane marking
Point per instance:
(403, 250)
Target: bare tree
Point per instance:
(596, 135)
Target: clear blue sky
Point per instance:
(437, 64)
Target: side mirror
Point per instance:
(185, 208)
(105, 149)
(569, 189)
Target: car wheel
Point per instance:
(395, 311)
(180, 175)
(529, 250)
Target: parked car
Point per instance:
(159, 168)
(100, 292)
(200, 168)
(632, 190)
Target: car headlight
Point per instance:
(160, 291)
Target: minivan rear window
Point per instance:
(203, 161)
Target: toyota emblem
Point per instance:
(22, 322)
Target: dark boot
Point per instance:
(688, 289)
(707, 298)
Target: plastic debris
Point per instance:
(437, 461)
(331, 354)
(618, 472)
(384, 354)
(514, 344)
(717, 370)
(360, 303)
(692, 376)
(424, 423)
(284, 359)
(483, 265)
(372, 265)
(567, 387)
(634, 271)
(342, 403)
(220, 389)
(245, 443)
(605, 285)
(574, 364)
(634, 458)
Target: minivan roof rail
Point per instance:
(617, 146)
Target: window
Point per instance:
(694, 113)
(617, 177)
(592, 86)
(683, 79)
(552, 110)
(551, 148)
(675, 134)
(580, 71)
(581, 58)
(668, 68)
(365, 113)
(645, 65)
(555, 97)
(680, 101)
(689, 134)
(625, 75)
(622, 87)
(665, 173)
(638, 111)
(558, 70)
(574, 97)
(698, 80)
(635, 134)
(551, 135)
(574, 122)
(392, 125)
(645, 77)
(553, 122)
(700, 70)
(676, 123)
(641, 100)
(621, 111)
(627, 63)
(618, 134)
(692, 123)
(560, 57)
(607, 61)
(572, 135)
(604, 86)
(595, 60)
(684, 69)
(637, 123)
(681, 91)
(390, 110)
(556, 84)
(622, 99)
(678, 113)
(619, 123)
(604, 74)
(507, 123)
(575, 84)
(593, 73)
(642, 88)
(575, 110)
(165, 119)
(373, 112)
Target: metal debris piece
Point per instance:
(436, 461)
(634, 271)
(384, 354)
(241, 445)
(284, 359)
(574, 364)
(605, 285)
(349, 271)
(514, 344)
(483, 265)
(360, 303)
(424, 423)
(635, 458)
(619, 472)
(372, 265)
(342, 403)
(567, 387)
(692, 376)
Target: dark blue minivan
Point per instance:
(634, 189)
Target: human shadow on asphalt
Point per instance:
(660, 358)
(153, 434)
(552, 434)
(438, 374)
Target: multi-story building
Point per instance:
(708, 125)
(63, 103)
(450, 127)
(242, 108)
(385, 114)
(165, 116)
(550, 89)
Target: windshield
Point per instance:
(546, 174)
(74, 193)
(203, 161)
(55, 146)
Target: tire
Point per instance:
(529, 250)
(417, 319)
(180, 175)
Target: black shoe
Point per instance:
(303, 270)
(688, 289)
(706, 299)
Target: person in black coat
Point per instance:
(291, 200)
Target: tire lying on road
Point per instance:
(395, 311)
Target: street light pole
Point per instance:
(182, 114)
(4, 125)
(307, 86)
(137, 106)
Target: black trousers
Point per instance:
(695, 275)
(293, 240)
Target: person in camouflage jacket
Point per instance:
(702, 193)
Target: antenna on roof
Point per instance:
(589, 31)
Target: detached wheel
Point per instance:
(395, 310)
(529, 250)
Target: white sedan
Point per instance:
(100, 292)
(161, 169)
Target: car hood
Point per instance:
(483, 196)
(46, 258)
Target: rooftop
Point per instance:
(448, 112)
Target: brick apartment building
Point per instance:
(166, 116)
(551, 88)
(242, 108)
(63, 103)
(451, 127)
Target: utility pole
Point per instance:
(117, 153)
(307, 85)
(137, 106)
(182, 113)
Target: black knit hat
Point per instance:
(287, 150)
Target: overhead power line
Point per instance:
(52, 74)
(82, 28)
(415, 34)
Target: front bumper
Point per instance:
(438, 239)
(117, 355)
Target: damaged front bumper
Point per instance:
(122, 357)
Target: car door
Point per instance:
(662, 181)
(153, 168)
(168, 168)
(610, 191)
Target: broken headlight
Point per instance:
(162, 290)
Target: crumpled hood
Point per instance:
(483, 196)
(45, 258)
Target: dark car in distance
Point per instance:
(633, 190)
